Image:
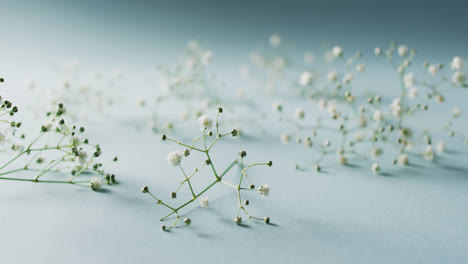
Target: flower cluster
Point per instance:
(191, 85)
(367, 126)
(203, 145)
(84, 94)
(69, 152)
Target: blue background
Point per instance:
(416, 214)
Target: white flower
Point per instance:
(175, 157)
(409, 146)
(264, 190)
(397, 108)
(205, 122)
(204, 202)
(376, 152)
(375, 168)
(285, 138)
(458, 78)
(409, 80)
(362, 121)
(342, 159)
(300, 114)
(457, 63)
(337, 51)
(456, 112)
(82, 156)
(332, 108)
(278, 106)
(275, 40)
(441, 146)
(347, 78)
(306, 78)
(402, 50)
(17, 147)
(359, 137)
(378, 115)
(432, 69)
(439, 98)
(378, 51)
(403, 159)
(322, 104)
(207, 57)
(75, 141)
(413, 92)
(429, 153)
(326, 143)
(141, 102)
(360, 67)
(94, 184)
(332, 76)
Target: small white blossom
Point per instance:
(360, 67)
(175, 157)
(457, 63)
(17, 147)
(204, 202)
(413, 93)
(375, 168)
(376, 152)
(264, 190)
(409, 80)
(141, 102)
(359, 137)
(275, 40)
(322, 104)
(429, 154)
(82, 157)
(403, 159)
(278, 106)
(441, 146)
(432, 69)
(332, 76)
(300, 114)
(378, 51)
(456, 112)
(75, 141)
(378, 115)
(397, 108)
(347, 78)
(337, 51)
(342, 159)
(207, 57)
(439, 98)
(205, 122)
(94, 184)
(306, 78)
(402, 50)
(285, 138)
(458, 78)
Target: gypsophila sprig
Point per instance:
(202, 146)
(349, 124)
(58, 149)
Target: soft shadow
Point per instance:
(103, 190)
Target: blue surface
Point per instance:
(416, 214)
